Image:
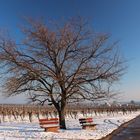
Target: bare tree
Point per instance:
(66, 63)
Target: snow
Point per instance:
(24, 130)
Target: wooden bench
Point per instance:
(50, 125)
(87, 123)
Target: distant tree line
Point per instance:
(20, 112)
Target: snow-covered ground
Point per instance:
(23, 130)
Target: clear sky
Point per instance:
(120, 18)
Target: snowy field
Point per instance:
(23, 130)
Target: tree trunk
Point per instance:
(62, 119)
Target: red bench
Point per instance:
(50, 125)
(87, 123)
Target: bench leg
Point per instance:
(86, 127)
(51, 129)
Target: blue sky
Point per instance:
(120, 18)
